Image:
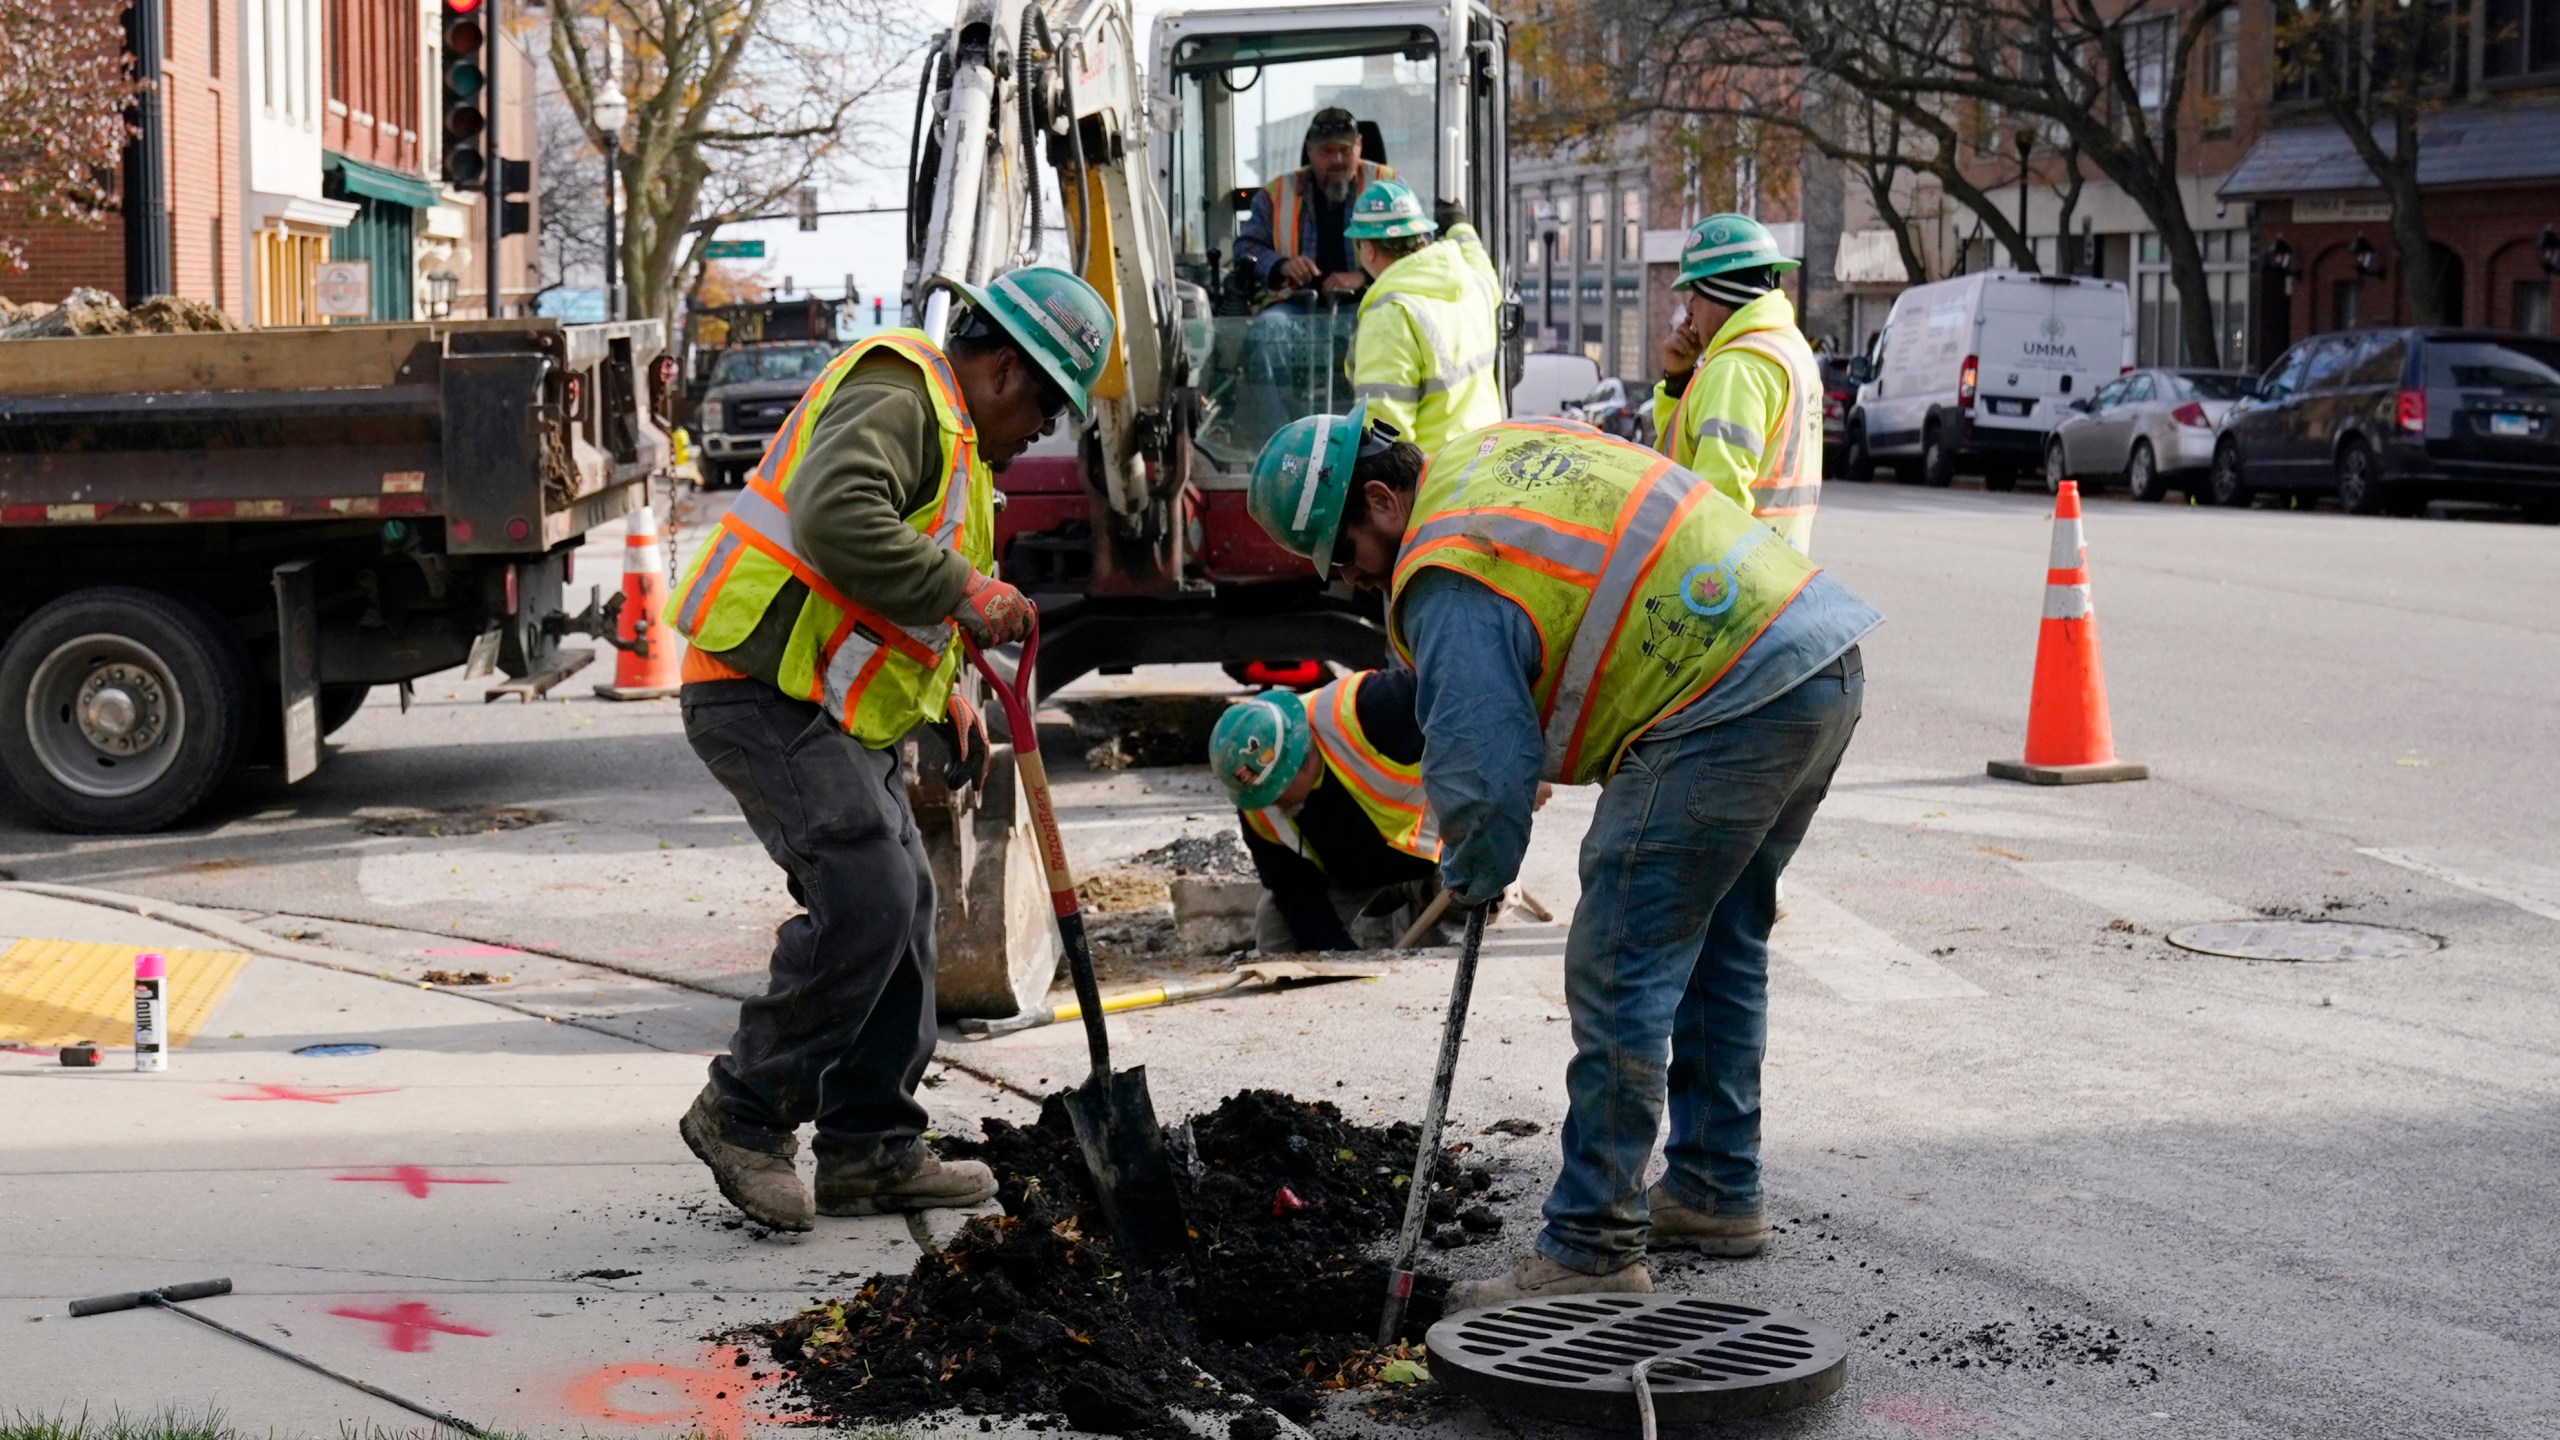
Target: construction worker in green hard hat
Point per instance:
(825, 616)
(1328, 787)
(1741, 396)
(1578, 610)
(1430, 325)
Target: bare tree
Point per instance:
(735, 104)
(2376, 66)
(65, 81)
(570, 173)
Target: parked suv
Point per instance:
(753, 389)
(2388, 420)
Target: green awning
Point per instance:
(377, 183)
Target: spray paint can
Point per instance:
(150, 1011)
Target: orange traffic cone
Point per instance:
(2068, 739)
(649, 657)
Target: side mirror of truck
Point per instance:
(1861, 370)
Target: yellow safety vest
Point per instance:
(1430, 337)
(875, 677)
(1388, 792)
(1781, 448)
(1644, 581)
(1289, 193)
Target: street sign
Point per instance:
(733, 250)
(345, 289)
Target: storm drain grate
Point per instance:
(2309, 940)
(1569, 1359)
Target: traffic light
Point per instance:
(466, 86)
(515, 209)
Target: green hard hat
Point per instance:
(1721, 244)
(1385, 210)
(1259, 746)
(1060, 321)
(1301, 479)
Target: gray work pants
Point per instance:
(842, 1033)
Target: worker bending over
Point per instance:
(1580, 608)
(1329, 789)
(1430, 326)
(825, 617)
(1747, 413)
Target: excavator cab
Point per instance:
(1235, 92)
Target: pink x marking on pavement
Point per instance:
(316, 1097)
(412, 1323)
(415, 1179)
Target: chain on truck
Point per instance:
(212, 546)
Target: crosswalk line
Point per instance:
(2131, 892)
(1856, 961)
(2527, 887)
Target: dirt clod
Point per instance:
(1218, 856)
(1032, 1313)
(410, 822)
(464, 977)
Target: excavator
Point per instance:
(1039, 136)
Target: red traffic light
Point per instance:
(460, 7)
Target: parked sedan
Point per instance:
(2389, 419)
(1620, 409)
(2152, 427)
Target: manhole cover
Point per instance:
(336, 1049)
(1570, 1359)
(2302, 940)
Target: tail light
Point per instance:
(1967, 379)
(2413, 411)
(1833, 408)
(2192, 416)
(1290, 674)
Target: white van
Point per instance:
(1972, 374)
(1549, 382)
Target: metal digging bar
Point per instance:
(167, 1298)
(1417, 1200)
(1115, 1118)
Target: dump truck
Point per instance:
(213, 546)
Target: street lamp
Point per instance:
(609, 113)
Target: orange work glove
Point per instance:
(993, 612)
(973, 753)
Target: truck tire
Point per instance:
(339, 704)
(125, 709)
(1937, 467)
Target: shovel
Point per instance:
(1435, 1113)
(1115, 1119)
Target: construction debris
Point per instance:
(95, 312)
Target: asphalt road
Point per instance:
(2306, 1199)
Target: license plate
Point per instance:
(2012, 407)
(2520, 426)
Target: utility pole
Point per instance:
(494, 200)
(147, 262)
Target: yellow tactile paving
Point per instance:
(56, 992)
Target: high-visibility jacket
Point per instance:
(1645, 582)
(1288, 206)
(1430, 337)
(1387, 791)
(876, 678)
(1751, 419)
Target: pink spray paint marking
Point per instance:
(316, 1097)
(412, 1325)
(475, 952)
(416, 1178)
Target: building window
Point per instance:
(2219, 77)
(2159, 316)
(2533, 307)
(1560, 248)
(1630, 224)
(1629, 322)
(2346, 303)
(2522, 38)
(1595, 228)
(2147, 44)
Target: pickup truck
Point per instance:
(213, 545)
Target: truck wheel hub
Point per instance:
(120, 709)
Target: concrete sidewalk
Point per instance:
(491, 1214)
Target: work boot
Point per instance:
(1535, 1277)
(1677, 1227)
(916, 1180)
(764, 1185)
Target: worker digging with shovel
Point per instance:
(1581, 610)
(826, 617)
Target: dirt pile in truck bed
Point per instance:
(95, 312)
(1033, 1313)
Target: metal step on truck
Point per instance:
(212, 546)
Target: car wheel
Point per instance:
(1858, 463)
(2056, 469)
(127, 707)
(2228, 484)
(2000, 478)
(2142, 473)
(1937, 467)
(2361, 490)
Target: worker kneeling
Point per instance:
(1579, 608)
(825, 616)
(1430, 326)
(1330, 792)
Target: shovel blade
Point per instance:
(1115, 1122)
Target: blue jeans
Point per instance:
(1667, 970)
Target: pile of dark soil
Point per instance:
(410, 821)
(1218, 856)
(1033, 1313)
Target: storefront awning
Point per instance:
(2474, 146)
(377, 183)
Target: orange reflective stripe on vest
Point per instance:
(1288, 197)
(1388, 793)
